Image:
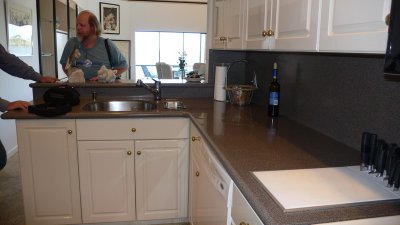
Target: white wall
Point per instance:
(153, 16)
(12, 88)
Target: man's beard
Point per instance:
(82, 37)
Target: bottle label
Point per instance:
(273, 98)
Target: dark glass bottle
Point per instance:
(274, 94)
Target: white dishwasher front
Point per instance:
(213, 188)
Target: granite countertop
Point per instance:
(245, 139)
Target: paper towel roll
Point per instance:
(220, 75)
(220, 82)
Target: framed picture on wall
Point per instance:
(125, 47)
(19, 29)
(109, 18)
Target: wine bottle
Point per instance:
(274, 94)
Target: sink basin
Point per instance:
(120, 106)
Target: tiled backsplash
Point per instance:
(340, 95)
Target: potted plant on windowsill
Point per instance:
(182, 60)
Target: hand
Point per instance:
(95, 78)
(47, 79)
(18, 105)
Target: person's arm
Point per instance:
(7, 106)
(14, 66)
(3, 105)
(68, 48)
(119, 61)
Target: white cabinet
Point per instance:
(107, 180)
(295, 25)
(303, 25)
(258, 16)
(354, 25)
(161, 178)
(242, 213)
(49, 171)
(123, 158)
(227, 26)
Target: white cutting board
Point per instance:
(323, 187)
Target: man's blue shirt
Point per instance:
(92, 59)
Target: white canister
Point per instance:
(220, 82)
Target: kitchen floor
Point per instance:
(11, 206)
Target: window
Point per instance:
(153, 47)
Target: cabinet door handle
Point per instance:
(223, 39)
(195, 138)
(129, 153)
(268, 33)
(69, 131)
(197, 173)
(133, 130)
(138, 152)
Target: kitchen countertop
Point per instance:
(245, 139)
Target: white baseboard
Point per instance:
(12, 151)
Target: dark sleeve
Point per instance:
(14, 66)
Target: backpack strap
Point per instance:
(108, 53)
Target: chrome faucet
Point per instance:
(156, 91)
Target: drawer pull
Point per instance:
(138, 152)
(129, 153)
(69, 131)
(195, 138)
(197, 173)
(243, 223)
(133, 130)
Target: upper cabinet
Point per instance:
(307, 25)
(295, 25)
(227, 28)
(258, 24)
(354, 26)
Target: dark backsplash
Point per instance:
(340, 95)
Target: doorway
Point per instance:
(57, 23)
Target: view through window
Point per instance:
(154, 47)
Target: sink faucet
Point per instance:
(156, 91)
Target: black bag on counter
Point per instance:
(58, 101)
(61, 95)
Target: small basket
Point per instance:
(240, 94)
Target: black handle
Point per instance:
(390, 158)
(394, 166)
(396, 178)
(365, 150)
(372, 150)
(380, 161)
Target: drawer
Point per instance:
(128, 129)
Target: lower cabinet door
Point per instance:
(161, 168)
(49, 171)
(107, 180)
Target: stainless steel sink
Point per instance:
(120, 106)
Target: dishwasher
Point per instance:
(212, 190)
